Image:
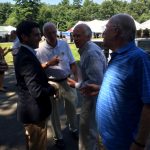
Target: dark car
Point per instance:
(143, 43)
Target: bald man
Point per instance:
(123, 106)
(55, 54)
(93, 65)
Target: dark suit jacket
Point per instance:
(34, 91)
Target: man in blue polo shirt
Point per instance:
(123, 106)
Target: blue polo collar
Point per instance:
(124, 49)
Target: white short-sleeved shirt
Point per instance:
(16, 46)
(45, 52)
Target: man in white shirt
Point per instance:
(55, 56)
(16, 44)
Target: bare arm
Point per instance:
(90, 89)
(7, 51)
(51, 62)
(74, 69)
(144, 128)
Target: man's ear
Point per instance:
(24, 37)
(118, 31)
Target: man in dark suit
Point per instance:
(34, 104)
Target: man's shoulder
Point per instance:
(61, 42)
(42, 44)
(24, 51)
(93, 48)
(94, 45)
(137, 52)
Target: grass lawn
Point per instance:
(9, 58)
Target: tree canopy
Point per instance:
(65, 14)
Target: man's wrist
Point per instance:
(139, 144)
(46, 64)
(77, 85)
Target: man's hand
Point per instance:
(55, 87)
(2, 50)
(54, 61)
(90, 90)
(71, 82)
(54, 84)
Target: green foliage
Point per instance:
(27, 9)
(5, 11)
(77, 3)
(64, 3)
(110, 8)
(12, 20)
(87, 3)
(65, 15)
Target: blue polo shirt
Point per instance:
(125, 88)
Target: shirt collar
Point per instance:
(124, 48)
(85, 46)
(16, 39)
(49, 46)
(29, 48)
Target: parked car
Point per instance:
(107, 52)
(143, 43)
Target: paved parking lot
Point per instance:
(11, 131)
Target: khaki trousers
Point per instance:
(36, 136)
(69, 96)
(88, 133)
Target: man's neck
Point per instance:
(52, 44)
(118, 45)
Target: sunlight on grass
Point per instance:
(9, 58)
(74, 51)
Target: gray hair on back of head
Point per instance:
(47, 25)
(86, 28)
(126, 25)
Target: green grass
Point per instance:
(9, 58)
(75, 52)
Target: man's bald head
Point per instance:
(50, 33)
(125, 23)
(85, 28)
(81, 34)
(47, 26)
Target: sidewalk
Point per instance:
(11, 131)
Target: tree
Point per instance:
(110, 8)
(64, 3)
(139, 10)
(27, 9)
(5, 11)
(87, 3)
(77, 3)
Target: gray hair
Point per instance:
(47, 25)
(87, 30)
(125, 23)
